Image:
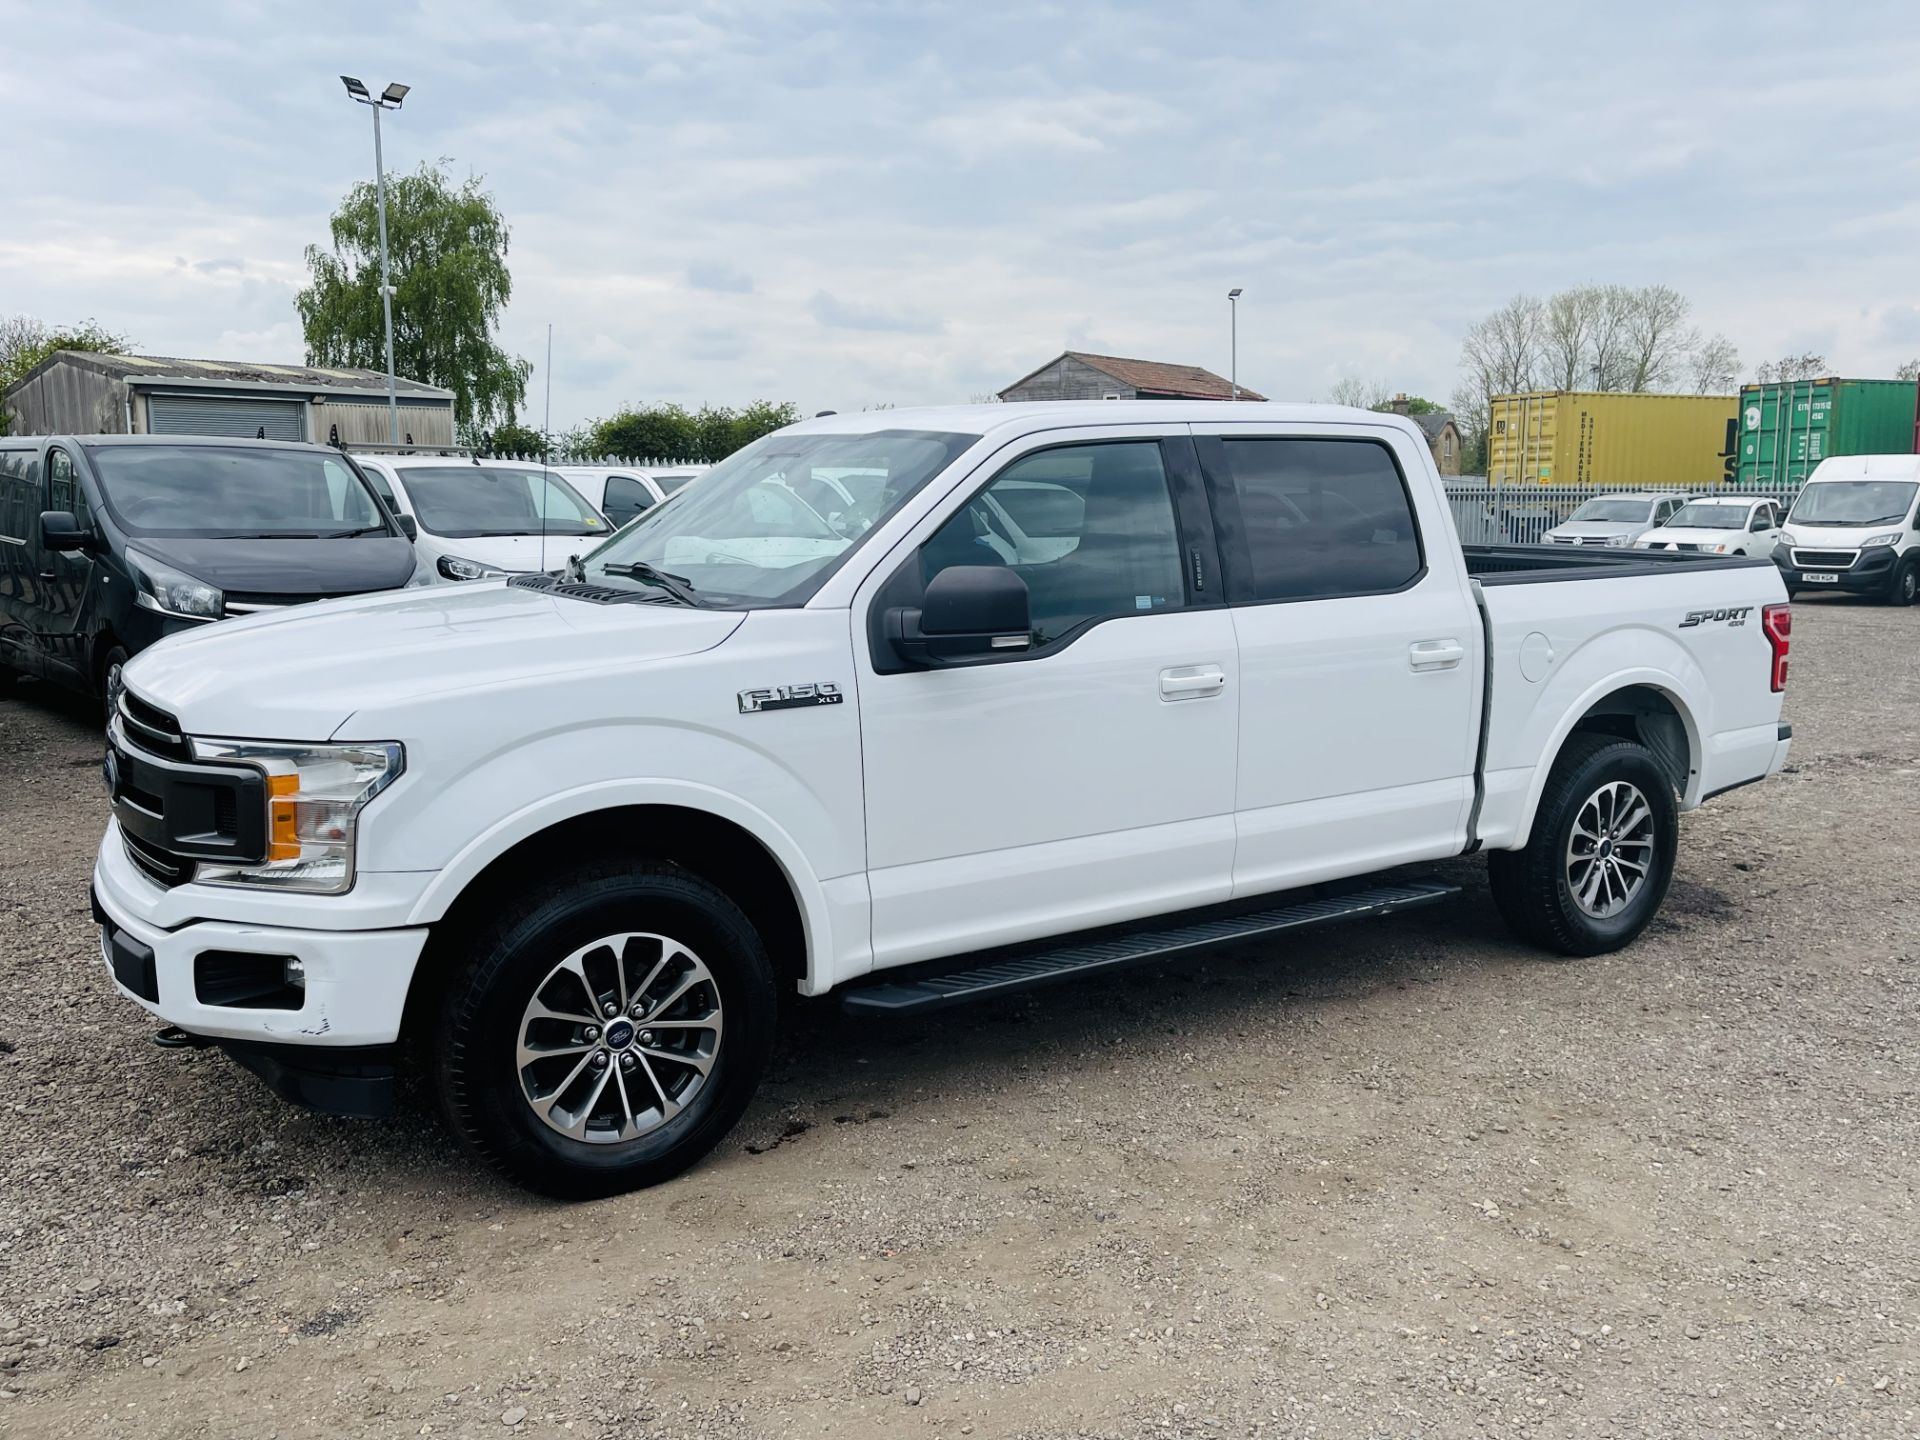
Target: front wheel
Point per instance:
(1601, 854)
(1906, 582)
(610, 1029)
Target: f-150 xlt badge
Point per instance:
(1736, 616)
(789, 697)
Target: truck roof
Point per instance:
(1866, 467)
(221, 441)
(1027, 416)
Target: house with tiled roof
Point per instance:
(1077, 375)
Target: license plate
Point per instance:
(1819, 577)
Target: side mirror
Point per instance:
(409, 527)
(969, 612)
(62, 530)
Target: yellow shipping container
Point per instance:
(1567, 437)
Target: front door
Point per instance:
(1359, 654)
(1090, 779)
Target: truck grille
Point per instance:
(1825, 559)
(172, 812)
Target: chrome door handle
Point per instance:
(1192, 682)
(1435, 654)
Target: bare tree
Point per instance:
(1805, 366)
(1714, 366)
(1908, 371)
(1567, 337)
(1360, 393)
(1659, 339)
(1612, 336)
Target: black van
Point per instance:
(109, 542)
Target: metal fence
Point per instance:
(611, 462)
(1522, 512)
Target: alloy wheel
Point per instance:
(1610, 852)
(619, 1038)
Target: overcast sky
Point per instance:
(846, 204)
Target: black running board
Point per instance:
(1008, 972)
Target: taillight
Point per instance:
(1777, 621)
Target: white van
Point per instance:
(480, 519)
(624, 492)
(1856, 527)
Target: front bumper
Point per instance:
(1871, 574)
(356, 980)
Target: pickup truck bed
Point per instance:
(1531, 564)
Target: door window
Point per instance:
(1762, 518)
(1090, 528)
(19, 493)
(625, 498)
(1323, 517)
(63, 490)
(1665, 512)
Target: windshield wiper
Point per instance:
(677, 586)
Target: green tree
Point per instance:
(26, 341)
(659, 432)
(1416, 405)
(448, 248)
(512, 438)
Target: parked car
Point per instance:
(1856, 527)
(1615, 520)
(623, 493)
(109, 542)
(484, 519)
(575, 834)
(1719, 525)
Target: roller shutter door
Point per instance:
(208, 415)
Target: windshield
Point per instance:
(1854, 502)
(216, 492)
(462, 501)
(767, 525)
(1720, 516)
(1614, 512)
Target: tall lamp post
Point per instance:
(1233, 323)
(388, 99)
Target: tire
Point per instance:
(1535, 888)
(1905, 588)
(554, 948)
(110, 664)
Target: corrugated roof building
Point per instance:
(1076, 375)
(77, 392)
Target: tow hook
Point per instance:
(174, 1038)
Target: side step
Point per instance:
(1022, 970)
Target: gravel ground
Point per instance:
(1407, 1180)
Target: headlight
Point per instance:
(1892, 538)
(1618, 542)
(457, 567)
(1786, 538)
(315, 794)
(1722, 548)
(171, 592)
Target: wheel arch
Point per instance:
(756, 865)
(1649, 708)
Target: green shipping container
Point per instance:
(1788, 428)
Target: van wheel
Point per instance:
(110, 666)
(1601, 855)
(1906, 582)
(610, 1029)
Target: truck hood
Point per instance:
(518, 553)
(1837, 537)
(299, 674)
(1597, 529)
(1691, 536)
(294, 569)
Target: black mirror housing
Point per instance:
(62, 530)
(409, 527)
(969, 613)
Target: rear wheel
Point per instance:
(610, 1030)
(1601, 854)
(1906, 582)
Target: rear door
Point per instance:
(1088, 779)
(1360, 652)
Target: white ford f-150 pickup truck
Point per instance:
(1062, 687)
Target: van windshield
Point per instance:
(217, 492)
(462, 501)
(767, 525)
(1854, 502)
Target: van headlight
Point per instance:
(160, 587)
(315, 794)
(1891, 538)
(1786, 538)
(458, 567)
